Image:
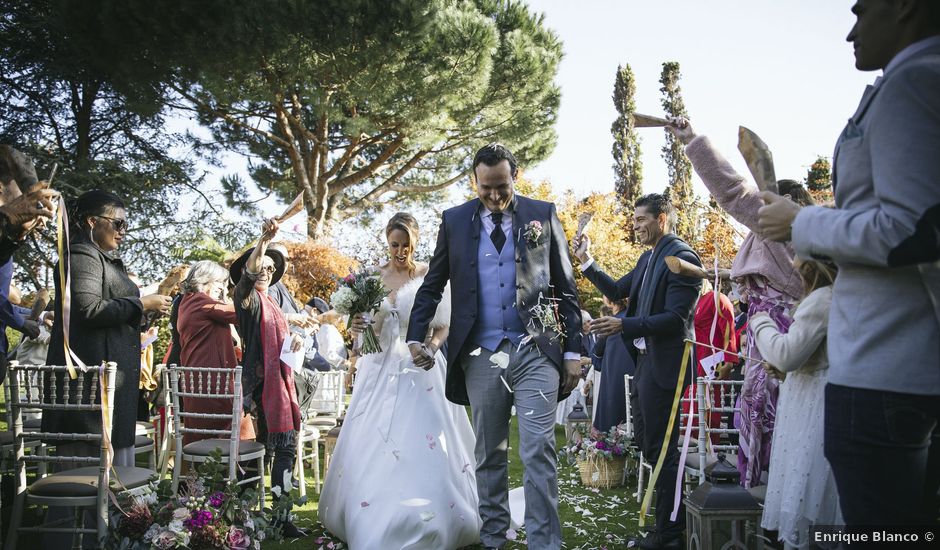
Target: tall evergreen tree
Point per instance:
(680, 168)
(819, 180)
(628, 166)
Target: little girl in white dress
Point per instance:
(801, 491)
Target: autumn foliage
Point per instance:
(314, 268)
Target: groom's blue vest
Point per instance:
(497, 317)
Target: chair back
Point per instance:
(45, 388)
(190, 386)
(717, 396)
(330, 397)
(50, 388)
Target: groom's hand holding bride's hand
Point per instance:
(422, 356)
(572, 375)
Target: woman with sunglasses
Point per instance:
(105, 320)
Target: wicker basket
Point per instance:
(599, 472)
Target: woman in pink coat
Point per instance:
(764, 274)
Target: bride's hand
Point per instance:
(358, 324)
(421, 355)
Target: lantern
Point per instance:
(578, 422)
(722, 514)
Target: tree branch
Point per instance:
(219, 113)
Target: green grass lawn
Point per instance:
(591, 518)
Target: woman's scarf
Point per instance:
(278, 397)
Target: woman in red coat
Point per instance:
(204, 325)
(724, 338)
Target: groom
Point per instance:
(506, 256)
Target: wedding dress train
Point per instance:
(402, 472)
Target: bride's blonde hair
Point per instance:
(407, 223)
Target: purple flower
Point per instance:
(600, 445)
(199, 519)
(217, 499)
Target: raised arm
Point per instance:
(732, 191)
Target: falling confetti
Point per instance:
(500, 359)
(363, 504)
(476, 352)
(530, 412)
(543, 396)
(397, 454)
(505, 384)
(429, 388)
(427, 516)
(416, 502)
(465, 468)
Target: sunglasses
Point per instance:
(268, 268)
(119, 224)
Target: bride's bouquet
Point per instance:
(361, 292)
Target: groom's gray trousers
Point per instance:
(533, 379)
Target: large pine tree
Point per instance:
(680, 168)
(628, 166)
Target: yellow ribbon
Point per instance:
(62, 237)
(648, 497)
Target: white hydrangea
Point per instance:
(343, 299)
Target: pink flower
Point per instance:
(237, 539)
(350, 279)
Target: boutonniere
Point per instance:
(533, 232)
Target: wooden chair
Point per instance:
(48, 388)
(193, 384)
(32, 421)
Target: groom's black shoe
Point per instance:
(653, 541)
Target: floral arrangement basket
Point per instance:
(602, 473)
(600, 457)
(208, 513)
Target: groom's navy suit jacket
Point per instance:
(542, 267)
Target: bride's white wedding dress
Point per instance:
(402, 472)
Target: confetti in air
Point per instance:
(505, 384)
(476, 352)
(364, 504)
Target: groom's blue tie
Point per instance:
(497, 236)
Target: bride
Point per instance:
(402, 472)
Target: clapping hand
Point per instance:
(607, 326)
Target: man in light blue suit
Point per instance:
(883, 397)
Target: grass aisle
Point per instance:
(590, 518)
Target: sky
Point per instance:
(781, 68)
